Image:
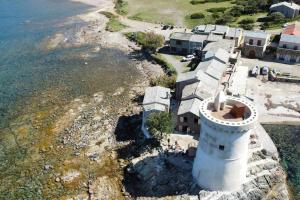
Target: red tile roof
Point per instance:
(293, 29)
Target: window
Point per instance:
(196, 120)
(251, 42)
(295, 47)
(231, 38)
(284, 46)
(185, 119)
(258, 42)
(178, 42)
(221, 147)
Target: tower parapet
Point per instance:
(222, 154)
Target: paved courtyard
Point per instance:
(282, 67)
(276, 102)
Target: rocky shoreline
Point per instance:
(106, 131)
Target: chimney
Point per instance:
(220, 101)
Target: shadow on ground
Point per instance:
(160, 176)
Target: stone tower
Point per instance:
(222, 153)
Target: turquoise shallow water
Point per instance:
(36, 85)
(287, 141)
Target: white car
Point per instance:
(188, 58)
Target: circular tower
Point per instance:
(222, 153)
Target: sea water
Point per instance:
(36, 84)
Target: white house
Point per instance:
(288, 49)
(156, 99)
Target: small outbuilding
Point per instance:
(156, 99)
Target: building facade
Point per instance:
(186, 43)
(288, 49)
(235, 34)
(222, 153)
(188, 116)
(255, 44)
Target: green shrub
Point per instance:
(164, 81)
(168, 68)
(160, 124)
(225, 19)
(109, 15)
(247, 21)
(149, 41)
(237, 10)
(153, 41)
(121, 7)
(276, 17)
(194, 2)
(247, 26)
(214, 10)
(113, 25)
(197, 16)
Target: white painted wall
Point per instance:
(222, 170)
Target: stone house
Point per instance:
(211, 29)
(211, 48)
(188, 120)
(288, 49)
(184, 79)
(186, 43)
(255, 43)
(205, 82)
(288, 9)
(156, 99)
(213, 68)
(220, 55)
(235, 34)
(210, 72)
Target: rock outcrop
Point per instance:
(160, 175)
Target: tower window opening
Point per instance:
(221, 147)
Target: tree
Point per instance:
(153, 41)
(237, 10)
(159, 124)
(225, 19)
(276, 17)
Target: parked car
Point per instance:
(187, 58)
(255, 71)
(264, 70)
(165, 27)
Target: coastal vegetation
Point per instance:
(160, 124)
(164, 81)
(168, 68)
(287, 141)
(150, 42)
(113, 25)
(121, 7)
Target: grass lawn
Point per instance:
(175, 12)
(113, 25)
(253, 16)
